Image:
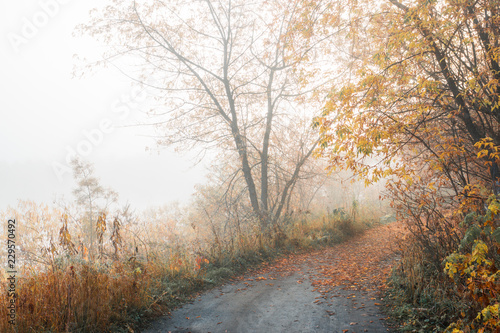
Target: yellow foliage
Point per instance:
(481, 274)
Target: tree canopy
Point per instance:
(422, 94)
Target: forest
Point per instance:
(328, 122)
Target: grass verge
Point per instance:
(75, 295)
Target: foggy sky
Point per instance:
(47, 117)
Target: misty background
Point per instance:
(49, 116)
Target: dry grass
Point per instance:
(421, 298)
(74, 295)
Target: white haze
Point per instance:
(47, 115)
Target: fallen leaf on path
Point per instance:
(361, 264)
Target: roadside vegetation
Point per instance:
(117, 270)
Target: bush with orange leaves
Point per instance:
(475, 271)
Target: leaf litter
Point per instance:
(360, 264)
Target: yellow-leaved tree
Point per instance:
(419, 103)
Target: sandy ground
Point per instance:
(281, 298)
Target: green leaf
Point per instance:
(496, 235)
(469, 219)
(471, 235)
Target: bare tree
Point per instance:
(228, 76)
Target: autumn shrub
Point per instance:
(419, 295)
(325, 229)
(474, 271)
(346, 227)
(463, 293)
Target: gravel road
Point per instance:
(280, 299)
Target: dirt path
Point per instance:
(332, 290)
